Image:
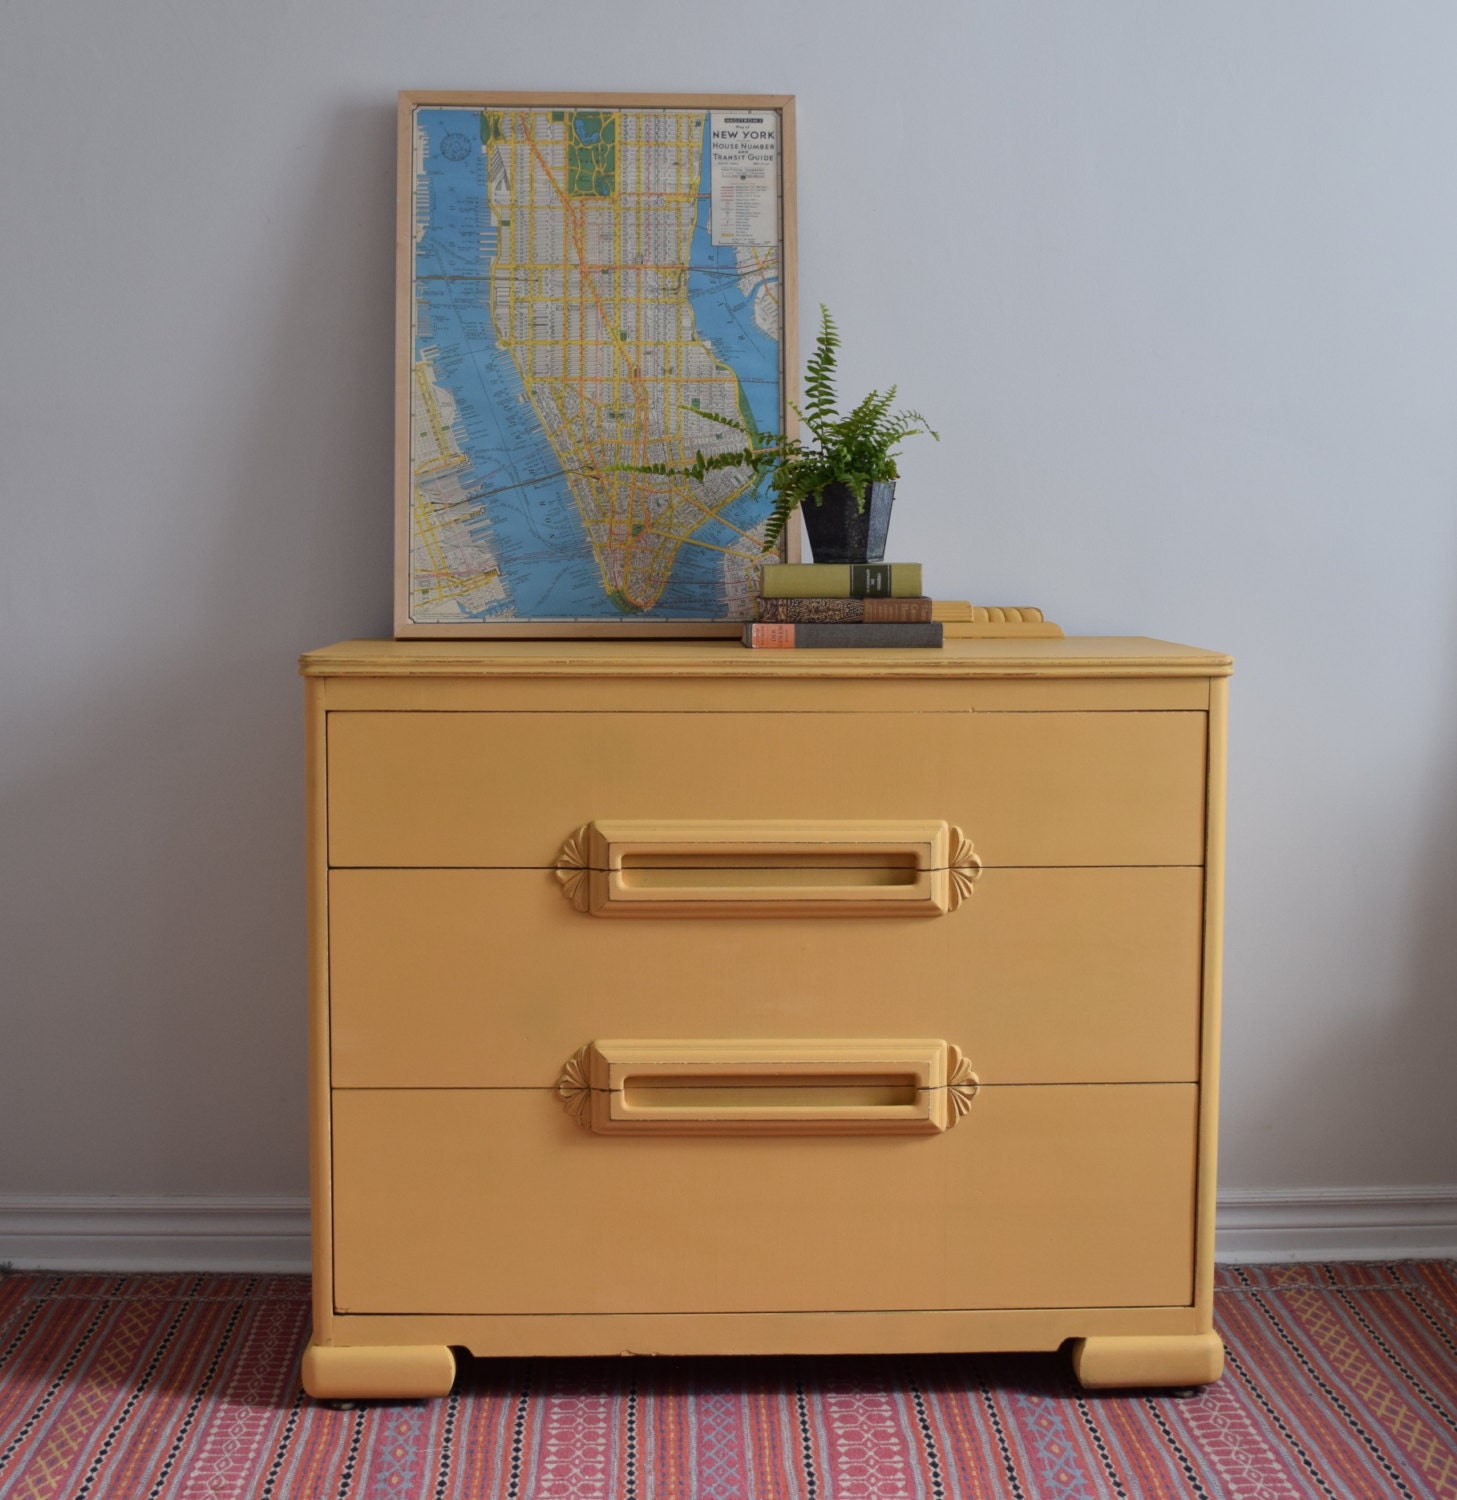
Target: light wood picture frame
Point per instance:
(578, 277)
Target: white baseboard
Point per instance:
(271, 1234)
(1378, 1223)
(135, 1233)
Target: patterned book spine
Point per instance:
(848, 611)
(841, 581)
(816, 635)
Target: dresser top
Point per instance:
(1069, 656)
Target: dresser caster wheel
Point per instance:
(1184, 1392)
(341, 1405)
(1179, 1362)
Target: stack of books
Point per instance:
(842, 604)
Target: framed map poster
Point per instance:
(585, 282)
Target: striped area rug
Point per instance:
(1342, 1383)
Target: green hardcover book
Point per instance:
(841, 581)
(844, 611)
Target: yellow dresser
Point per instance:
(673, 998)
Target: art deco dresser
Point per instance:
(677, 998)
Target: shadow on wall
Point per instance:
(1370, 1100)
(1399, 1080)
(154, 949)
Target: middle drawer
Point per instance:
(490, 978)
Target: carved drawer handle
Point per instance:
(890, 1087)
(779, 868)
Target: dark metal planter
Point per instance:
(841, 532)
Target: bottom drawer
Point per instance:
(495, 1201)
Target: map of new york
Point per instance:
(573, 315)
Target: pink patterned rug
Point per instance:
(1342, 1383)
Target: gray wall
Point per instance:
(1177, 283)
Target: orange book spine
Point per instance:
(769, 633)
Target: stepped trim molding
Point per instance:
(270, 1234)
(1370, 1223)
(137, 1232)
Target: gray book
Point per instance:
(817, 634)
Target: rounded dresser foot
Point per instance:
(357, 1373)
(1180, 1360)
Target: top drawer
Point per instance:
(506, 789)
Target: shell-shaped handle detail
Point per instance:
(962, 1085)
(572, 1088)
(571, 868)
(964, 868)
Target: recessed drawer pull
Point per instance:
(892, 1087)
(778, 868)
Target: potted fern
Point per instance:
(842, 475)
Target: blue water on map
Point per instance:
(529, 519)
(725, 317)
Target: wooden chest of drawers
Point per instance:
(677, 998)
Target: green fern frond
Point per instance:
(819, 378)
(855, 451)
(713, 416)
